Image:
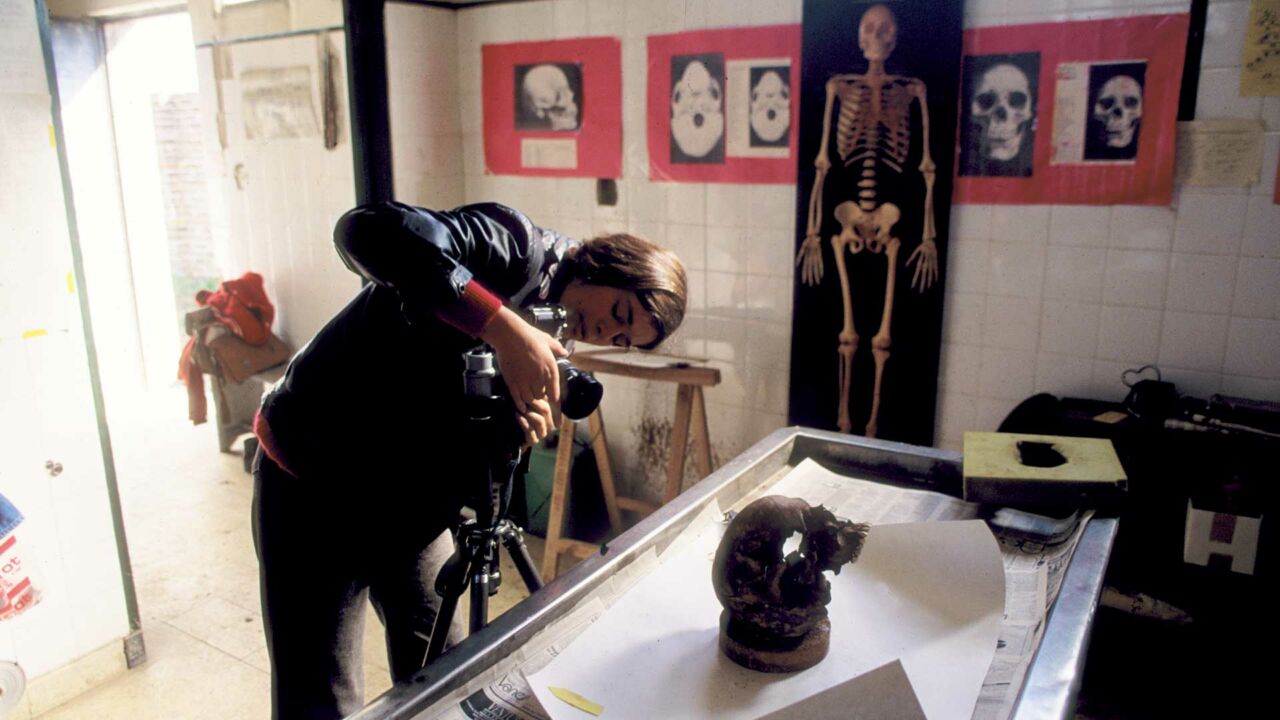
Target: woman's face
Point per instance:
(602, 315)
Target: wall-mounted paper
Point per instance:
(553, 154)
(277, 103)
(1220, 153)
(1260, 71)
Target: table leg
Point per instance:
(679, 442)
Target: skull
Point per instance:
(782, 596)
(1002, 110)
(696, 118)
(1118, 109)
(877, 33)
(770, 107)
(548, 96)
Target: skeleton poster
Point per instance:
(876, 160)
(553, 108)
(1071, 113)
(720, 105)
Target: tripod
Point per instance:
(474, 562)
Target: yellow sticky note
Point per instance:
(71, 283)
(577, 700)
(53, 138)
(37, 332)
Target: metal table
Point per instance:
(1053, 678)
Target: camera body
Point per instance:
(580, 393)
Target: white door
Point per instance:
(48, 414)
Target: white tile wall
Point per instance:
(1194, 288)
(280, 221)
(1041, 298)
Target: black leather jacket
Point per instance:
(376, 395)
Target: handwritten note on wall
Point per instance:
(1220, 153)
(1260, 74)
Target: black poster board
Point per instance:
(926, 49)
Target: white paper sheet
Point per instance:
(928, 594)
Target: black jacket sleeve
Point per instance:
(437, 262)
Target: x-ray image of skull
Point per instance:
(548, 96)
(770, 106)
(998, 114)
(1115, 110)
(697, 108)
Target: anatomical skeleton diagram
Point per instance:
(873, 137)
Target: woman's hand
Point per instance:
(536, 423)
(527, 358)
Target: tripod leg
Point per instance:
(513, 540)
(450, 584)
(479, 595)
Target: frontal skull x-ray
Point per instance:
(1115, 110)
(548, 96)
(998, 129)
(697, 108)
(770, 106)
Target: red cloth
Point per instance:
(190, 375)
(243, 307)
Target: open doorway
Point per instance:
(138, 169)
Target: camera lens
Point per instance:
(579, 392)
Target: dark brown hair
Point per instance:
(627, 262)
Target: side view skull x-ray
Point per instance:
(999, 114)
(548, 97)
(1115, 110)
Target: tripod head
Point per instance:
(491, 412)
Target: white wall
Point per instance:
(1099, 289)
(735, 240)
(1194, 288)
(422, 89)
(280, 197)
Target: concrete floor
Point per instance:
(186, 509)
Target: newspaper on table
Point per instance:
(1033, 576)
(1033, 571)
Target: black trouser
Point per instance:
(320, 555)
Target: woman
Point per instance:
(365, 459)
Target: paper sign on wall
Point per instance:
(1220, 153)
(1260, 66)
(553, 108)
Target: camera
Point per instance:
(580, 393)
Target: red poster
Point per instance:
(720, 105)
(553, 108)
(1071, 113)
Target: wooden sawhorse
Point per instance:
(690, 375)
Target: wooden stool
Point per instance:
(690, 411)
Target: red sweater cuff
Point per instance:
(474, 310)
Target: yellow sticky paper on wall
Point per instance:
(1260, 64)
